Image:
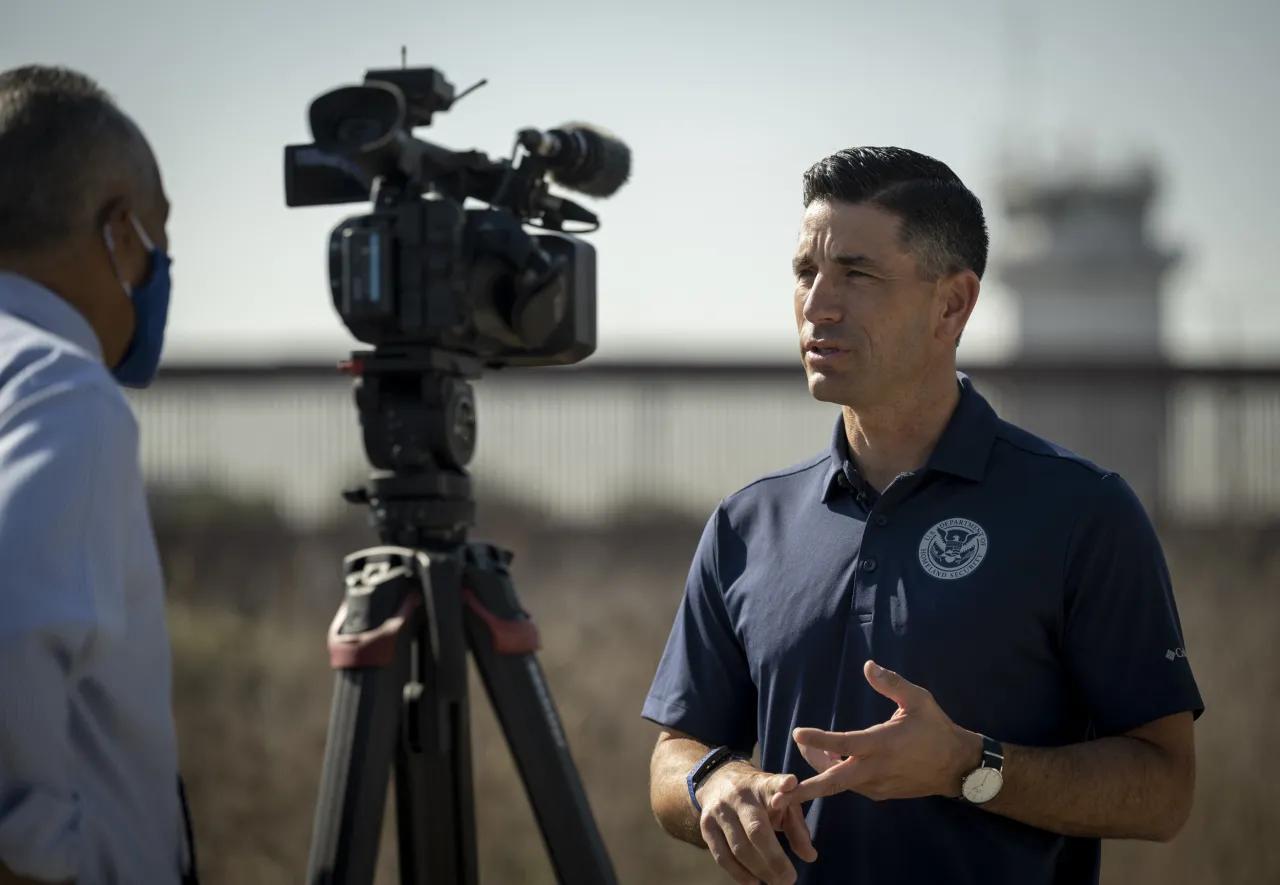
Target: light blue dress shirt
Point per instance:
(88, 755)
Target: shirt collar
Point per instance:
(838, 462)
(32, 302)
(962, 450)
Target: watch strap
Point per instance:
(992, 754)
(709, 763)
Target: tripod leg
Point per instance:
(370, 645)
(503, 641)
(434, 802)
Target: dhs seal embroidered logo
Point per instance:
(953, 548)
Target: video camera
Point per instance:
(442, 291)
(421, 270)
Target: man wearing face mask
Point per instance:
(89, 787)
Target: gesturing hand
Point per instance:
(740, 826)
(919, 751)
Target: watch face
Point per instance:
(982, 785)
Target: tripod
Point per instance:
(413, 607)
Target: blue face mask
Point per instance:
(151, 313)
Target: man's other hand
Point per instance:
(918, 752)
(741, 826)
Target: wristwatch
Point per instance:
(984, 782)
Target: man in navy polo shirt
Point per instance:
(954, 643)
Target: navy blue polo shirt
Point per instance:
(1020, 584)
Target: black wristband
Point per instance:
(709, 763)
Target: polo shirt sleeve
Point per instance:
(703, 685)
(1122, 634)
(64, 458)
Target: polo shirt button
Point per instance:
(868, 565)
(881, 519)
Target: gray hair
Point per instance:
(65, 150)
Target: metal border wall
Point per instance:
(591, 442)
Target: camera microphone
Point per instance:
(582, 157)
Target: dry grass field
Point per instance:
(251, 604)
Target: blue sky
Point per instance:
(724, 105)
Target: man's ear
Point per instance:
(957, 295)
(117, 213)
(126, 250)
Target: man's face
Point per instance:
(866, 318)
(147, 202)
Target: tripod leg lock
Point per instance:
(510, 637)
(375, 647)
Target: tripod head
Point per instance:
(418, 419)
(440, 290)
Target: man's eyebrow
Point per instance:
(844, 259)
(853, 259)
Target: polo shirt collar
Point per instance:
(29, 301)
(838, 462)
(962, 450)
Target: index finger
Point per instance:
(760, 831)
(846, 743)
(835, 779)
(797, 830)
(718, 845)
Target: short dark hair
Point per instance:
(64, 145)
(942, 221)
